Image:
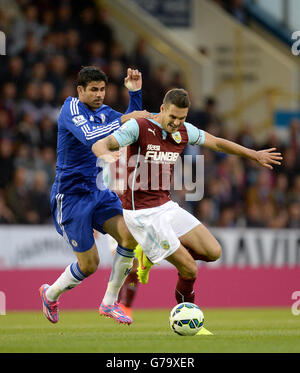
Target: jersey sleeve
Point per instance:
(128, 133)
(77, 122)
(135, 101)
(195, 135)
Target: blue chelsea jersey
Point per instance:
(78, 129)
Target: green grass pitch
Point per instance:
(235, 330)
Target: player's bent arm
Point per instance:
(105, 146)
(124, 136)
(264, 157)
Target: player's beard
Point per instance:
(96, 104)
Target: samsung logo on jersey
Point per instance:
(161, 156)
(79, 120)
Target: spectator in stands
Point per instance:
(8, 100)
(117, 52)
(291, 164)
(280, 191)
(48, 133)
(29, 103)
(17, 196)
(47, 105)
(39, 198)
(64, 21)
(6, 215)
(23, 159)
(37, 73)
(6, 161)
(208, 116)
(261, 192)
(159, 83)
(45, 160)
(294, 215)
(116, 71)
(57, 72)
(23, 26)
(293, 194)
(31, 52)
(96, 54)
(72, 50)
(140, 59)
(6, 129)
(28, 131)
(206, 212)
(15, 73)
(227, 218)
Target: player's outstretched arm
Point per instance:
(265, 157)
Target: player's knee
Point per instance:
(215, 252)
(128, 241)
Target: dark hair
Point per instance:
(90, 74)
(178, 97)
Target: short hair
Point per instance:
(90, 74)
(178, 97)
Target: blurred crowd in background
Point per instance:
(48, 42)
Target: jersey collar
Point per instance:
(164, 133)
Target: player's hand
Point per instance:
(133, 80)
(267, 157)
(136, 115)
(111, 157)
(140, 114)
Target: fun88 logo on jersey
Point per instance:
(2, 44)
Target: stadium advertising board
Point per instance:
(42, 247)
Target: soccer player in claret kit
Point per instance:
(80, 202)
(161, 227)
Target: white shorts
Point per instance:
(157, 229)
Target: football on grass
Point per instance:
(186, 319)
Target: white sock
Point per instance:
(122, 264)
(71, 277)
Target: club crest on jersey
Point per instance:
(102, 116)
(165, 245)
(74, 243)
(177, 137)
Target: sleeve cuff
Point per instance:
(134, 92)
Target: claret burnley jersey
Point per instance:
(151, 155)
(78, 129)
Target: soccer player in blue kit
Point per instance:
(80, 202)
